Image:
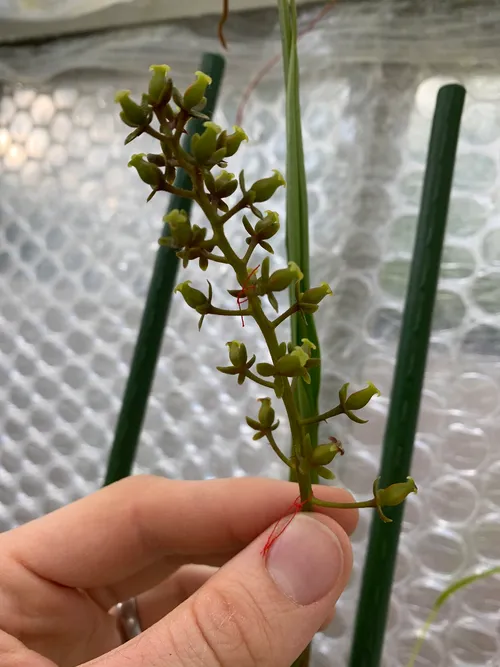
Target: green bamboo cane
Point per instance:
(149, 340)
(409, 374)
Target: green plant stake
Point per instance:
(409, 373)
(147, 348)
(287, 364)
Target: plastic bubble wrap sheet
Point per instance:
(76, 251)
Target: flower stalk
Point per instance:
(212, 185)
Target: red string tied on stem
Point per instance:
(283, 524)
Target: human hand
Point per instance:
(161, 541)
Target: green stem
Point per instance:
(222, 311)
(251, 247)
(178, 192)
(243, 203)
(258, 380)
(240, 268)
(344, 506)
(277, 450)
(267, 330)
(334, 412)
(290, 311)
(156, 135)
(216, 258)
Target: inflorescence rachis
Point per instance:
(170, 111)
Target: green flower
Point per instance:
(193, 297)
(356, 401)
(294, 364)
(234, 141)
(180, 227)
(224, 185)
(237, 353)
(132, 113)
(283, 278)
(316, 294)
(239, 358)
(159, 84)
(393, 495)
(148, 172)
(204, 146)
(195, 92)
(266, 187)
(268, 226)
(266, 413)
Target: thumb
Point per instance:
(255, 611)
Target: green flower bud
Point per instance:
(159, 84)
(237, 353)
(300, 354)
(266, 187)
(316, 294)
(199, 234)
(266, 413)
(283, 278)
(228, 370)
(395, 494)
(225, 184)
(193, 297)
(221, 139)
(292, 364)
(180, 227)
(324, 454)
(325, 473)
(149, 173)
(156, 158)
(266, 370)
(195, 92)
(170, 173)
(233, 141)
(205, 146)
(273, 301)
(361, 398)
(133, 113)
(307, 346)
(264, 269)
(268, 226)
(218, 157)
(253, 423)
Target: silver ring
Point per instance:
(128, 619)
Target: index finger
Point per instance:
(126, 527)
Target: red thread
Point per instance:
(242, 296)
(278, 530)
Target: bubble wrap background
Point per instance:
(77, 243)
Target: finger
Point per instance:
(253, 611)
(159, 601)
(127, 527)
(149, 578)
(14, 653)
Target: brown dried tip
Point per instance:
(339, 445)
(222, 23)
